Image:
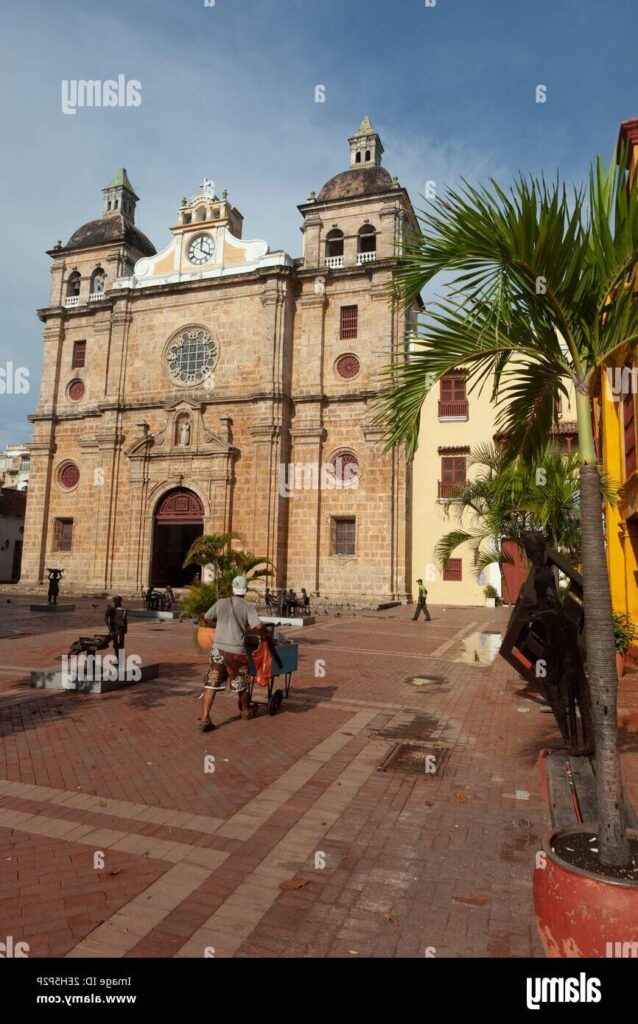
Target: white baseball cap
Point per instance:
(240, 586)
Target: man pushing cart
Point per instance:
(238, 632)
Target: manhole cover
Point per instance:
(415, 758)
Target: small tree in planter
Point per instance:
(215, 549)
(491, 596)
(625, 633)
(195, 602)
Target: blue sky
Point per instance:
(228, 91)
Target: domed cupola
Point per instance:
(117, 223)
(366, 175)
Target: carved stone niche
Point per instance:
(182, 430)
(185, 427)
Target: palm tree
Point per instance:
(243, 563)
(542, 294)
(211, 549)
(505, 499)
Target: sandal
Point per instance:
(206, 726)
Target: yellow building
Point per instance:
(616, 429)
(454, 421)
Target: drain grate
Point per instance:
(416, 758)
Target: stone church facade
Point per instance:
(217, 385)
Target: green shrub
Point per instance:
(197, 599)
(625, 631)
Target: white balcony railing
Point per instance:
(96, 296)
(72, 300)
(365, 257)
(334, 262)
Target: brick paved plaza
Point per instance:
(296, 844)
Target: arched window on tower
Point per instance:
(366, 244)
(98, 280)
(334, 248)
(201, 213)
(73, 284)
(357, 158)
(367, 155)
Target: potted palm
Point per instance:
(194, 603)
(539, 299)
(227, 562)
(625, 633)
(491, 596)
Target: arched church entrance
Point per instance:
(179, 520)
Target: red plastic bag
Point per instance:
(262, 659)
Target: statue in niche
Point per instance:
(184, 432)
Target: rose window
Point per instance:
(348, 366)
(346, 468)
(191, 357)
(76, 390)
(69, 475)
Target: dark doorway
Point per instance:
(17, 561)
(179, 520)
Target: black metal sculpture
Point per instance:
(55, 575)
(116, 621)
(544, 642)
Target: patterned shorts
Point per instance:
(223, 667)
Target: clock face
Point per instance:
(201, 250)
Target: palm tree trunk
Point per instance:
(613, 845)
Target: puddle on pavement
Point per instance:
(479, 648)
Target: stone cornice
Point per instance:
(321, 206)
(121, 317)
(311, 299)
(61, 417)
(42, 447)
(308, 434)
(265, 431)
(374, 434)
(364, 270)
(272, 296)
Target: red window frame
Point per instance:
(453, 388)
(345, 535)
(348, 322)
(453, 475)
(79, 355)
(453, 571)
(63, 535)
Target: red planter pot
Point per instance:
(620, 664)
(580, 914)
(204, 636)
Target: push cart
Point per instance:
(284, 663)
